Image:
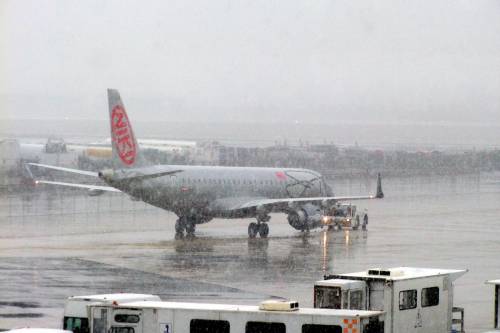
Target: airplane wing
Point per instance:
(80, 172)
(288, 201)
(85, 186)
(284, 204)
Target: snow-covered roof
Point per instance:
(123, 297)
(405, 273)
(246, 308)
(493, 282)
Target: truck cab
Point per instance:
(413, 299)
(76, 317)
(345, 216)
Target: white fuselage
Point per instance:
(199, 187)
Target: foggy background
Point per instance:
(390, 74)
(337, 62)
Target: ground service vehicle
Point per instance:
(413, 299)
(345, 216)
(280, 317)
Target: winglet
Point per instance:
(380, 193)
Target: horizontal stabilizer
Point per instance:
(80, 172)
(85, 186)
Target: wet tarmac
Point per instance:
(55, 244)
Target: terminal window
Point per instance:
(312, 328)
(263, 327)
(407, 299)
(430, 296)
(208, 326)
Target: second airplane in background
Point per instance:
(198, 194)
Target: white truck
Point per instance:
(395, 300)
(76, 317)
(414, 300)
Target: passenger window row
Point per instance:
(229, 181)
(408, 298)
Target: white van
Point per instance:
(76, 318)
(414, 299)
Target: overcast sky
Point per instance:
(307, 61)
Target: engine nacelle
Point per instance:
(305, 218)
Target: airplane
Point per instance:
(198, 194)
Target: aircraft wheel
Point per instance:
(365, 222)
(179, 235)
(253, 229)
(263, 230)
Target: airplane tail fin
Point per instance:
(124, 145)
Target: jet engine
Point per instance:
(305, 217)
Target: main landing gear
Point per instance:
(184, 223)
(260, 227)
